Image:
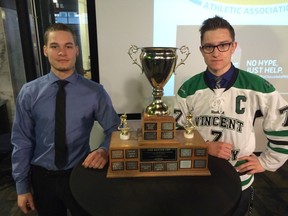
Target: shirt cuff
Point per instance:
(23, 187)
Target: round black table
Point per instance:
(215, 195)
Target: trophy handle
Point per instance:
(184, 50)
(133, 50)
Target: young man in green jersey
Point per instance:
(225, 101)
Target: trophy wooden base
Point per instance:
(139, 157)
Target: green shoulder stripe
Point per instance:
(277, 133)
(192, 85)
(247, 80)
(279, 150)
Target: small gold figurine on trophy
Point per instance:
(123, 127)
(189, 127)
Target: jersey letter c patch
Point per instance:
(239, 100)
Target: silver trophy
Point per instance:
(158, 64)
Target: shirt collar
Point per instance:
(71, 79)
(226, 76)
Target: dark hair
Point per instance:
(216, 23)
(58, 27)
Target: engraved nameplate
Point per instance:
(167, 126)
(117, 154)
(150, 135)
(150, 126)
(185, 152)
(117, 166)
(158, 154)
(145, 167)
(167, 135)
(200, 152)
(131, 153)
(132, 165)
(172, 166)
(199, 163)
(159, 167)
(185, 164)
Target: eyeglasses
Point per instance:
(207, 49)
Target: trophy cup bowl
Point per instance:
(158, 64)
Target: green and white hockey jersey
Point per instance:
(228, 115)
